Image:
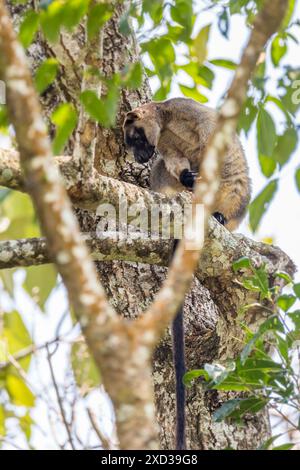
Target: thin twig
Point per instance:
(59, 400)
(105, 443)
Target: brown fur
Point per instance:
(179, 129)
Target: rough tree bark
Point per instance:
(211, 306)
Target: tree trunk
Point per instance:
(212, 332)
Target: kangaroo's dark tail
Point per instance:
(179, 368)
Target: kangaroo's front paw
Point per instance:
(188, 178)
(220, 218)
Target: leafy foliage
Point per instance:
(99, 14)
(261, 203)
(14, 337)
(39, 282)
(65, 119)
(28, 28)
(264, 370)
(46, 74)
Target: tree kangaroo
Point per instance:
(179, 130)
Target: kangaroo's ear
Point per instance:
(130, 118)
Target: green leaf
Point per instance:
(241, 263)
(133, 77)
(28, 28)
(182, 13)
(154, 8)
(19, 2)
(15, 332)
(285, 276)
(98, 16)
(193, 93)
(39, 282)
(267, 165)
(104, 110)
(286, 446)
(249, 405)
(260, 76)
(260, 279)
(2, 421)
(236, 6)
(198, 48)
(162, 93)
(226, 409)
(46, 74)
(201, 74)
(4, 122)
(297, 178)
(205, 76)
(227, 64)
(15, 205)
(249, 347)
(289, 13)
(73, 12)
(286, 301)
(237, 407)
(16, 336)
(18, 208)
(283, 345)
(18, 391)
(266, 133)
(249, 284)
(247, 115)
(286, 145)
(265, 445)
(52, 19)
(280, 105)
(295, 317)
(60, 14)
(296, 289)
(232, 383)
(65, 119)
(278, 49)
(162, 55)
(271, 324)
(261, 203)
(194, 374)
(26, 423)
(254, 365)
(176, 34)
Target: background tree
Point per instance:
(69, 63)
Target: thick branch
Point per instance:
(100, 189)
(221, 249)
(33, 251)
